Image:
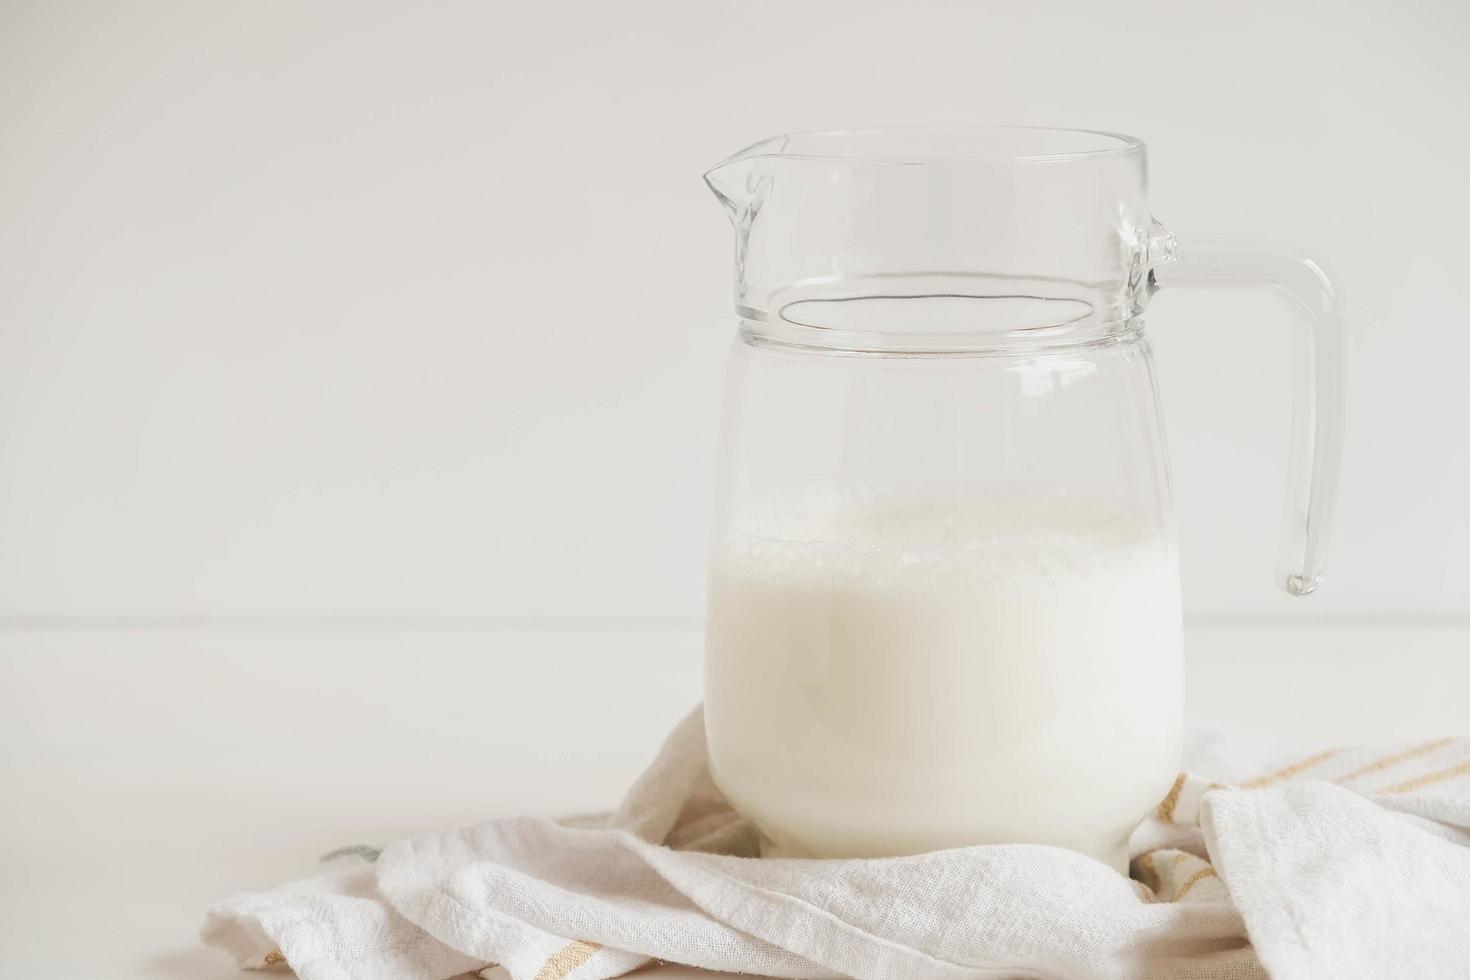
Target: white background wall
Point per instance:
(365, 309)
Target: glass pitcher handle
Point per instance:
(1317, 414)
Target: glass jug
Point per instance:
(944, 599)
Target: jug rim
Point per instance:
(962, 143)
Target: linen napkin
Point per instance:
(1345, 863)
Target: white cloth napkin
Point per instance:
(1348, 863)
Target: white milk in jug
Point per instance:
(900, 675)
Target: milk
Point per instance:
(891, 676)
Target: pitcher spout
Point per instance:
(737, 180)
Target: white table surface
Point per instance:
(147, 770)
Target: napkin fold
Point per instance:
(1346, 863)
